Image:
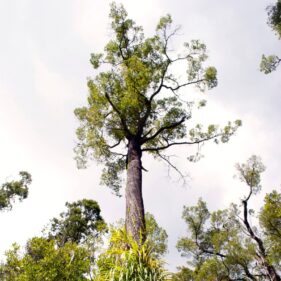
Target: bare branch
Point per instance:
(166, 159)
(179, 143)
(115, 145)
(182, 85)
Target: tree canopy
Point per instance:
(136, 94)
(136, 104)
(16, 189)
(81, 222)
(270, 63)
(42, 260)
(224, 245)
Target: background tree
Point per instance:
(10, 191)
(66, 253)
(83, 225)
(270, 63)
(80, 223)
(136, 105)
(184, 274)
(42, 260)
(224, 245)
(156, 236)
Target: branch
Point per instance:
(179, 143)
(169, 61)
(167, 160)
(171, 126)
(128, 133)
(161, 82)
(116, 144)
(182, 85)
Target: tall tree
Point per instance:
(225, 245)
(136, 105)
(16, 189)
(270, 63)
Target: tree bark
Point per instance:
(135, 221)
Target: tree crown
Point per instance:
(137, 95)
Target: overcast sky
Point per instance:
(44, 65)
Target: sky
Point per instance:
(45, 51)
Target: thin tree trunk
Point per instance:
(135, 222)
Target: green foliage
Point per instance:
(184, 274)
(9, 191)
(136, 95)
(274, 17)
(42, 260)
(270, 63)
(126, 260)
(250, 172)
(82, 221)
(270, 220)
(156, 236)
(223, 245)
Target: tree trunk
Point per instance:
(135, 222)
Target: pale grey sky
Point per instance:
(45, 50)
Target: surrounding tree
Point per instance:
(270, 63)
(157, 236)
(224, 245)
(136, 105)
(184, 274)
(81, 222)
(42, 260)
(10, 191)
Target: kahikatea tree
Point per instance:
(135, 106)
(16, 189)
(270, 63)
(225, 245)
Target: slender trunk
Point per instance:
(135, 222)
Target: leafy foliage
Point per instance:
(82, 221)
(42, 260)
(136, 95)
(270, 220)
(184, 274)
(270, 63)
(156, 236)
(9, 191)
(274, 17)
(127, 260)
(223, 245)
